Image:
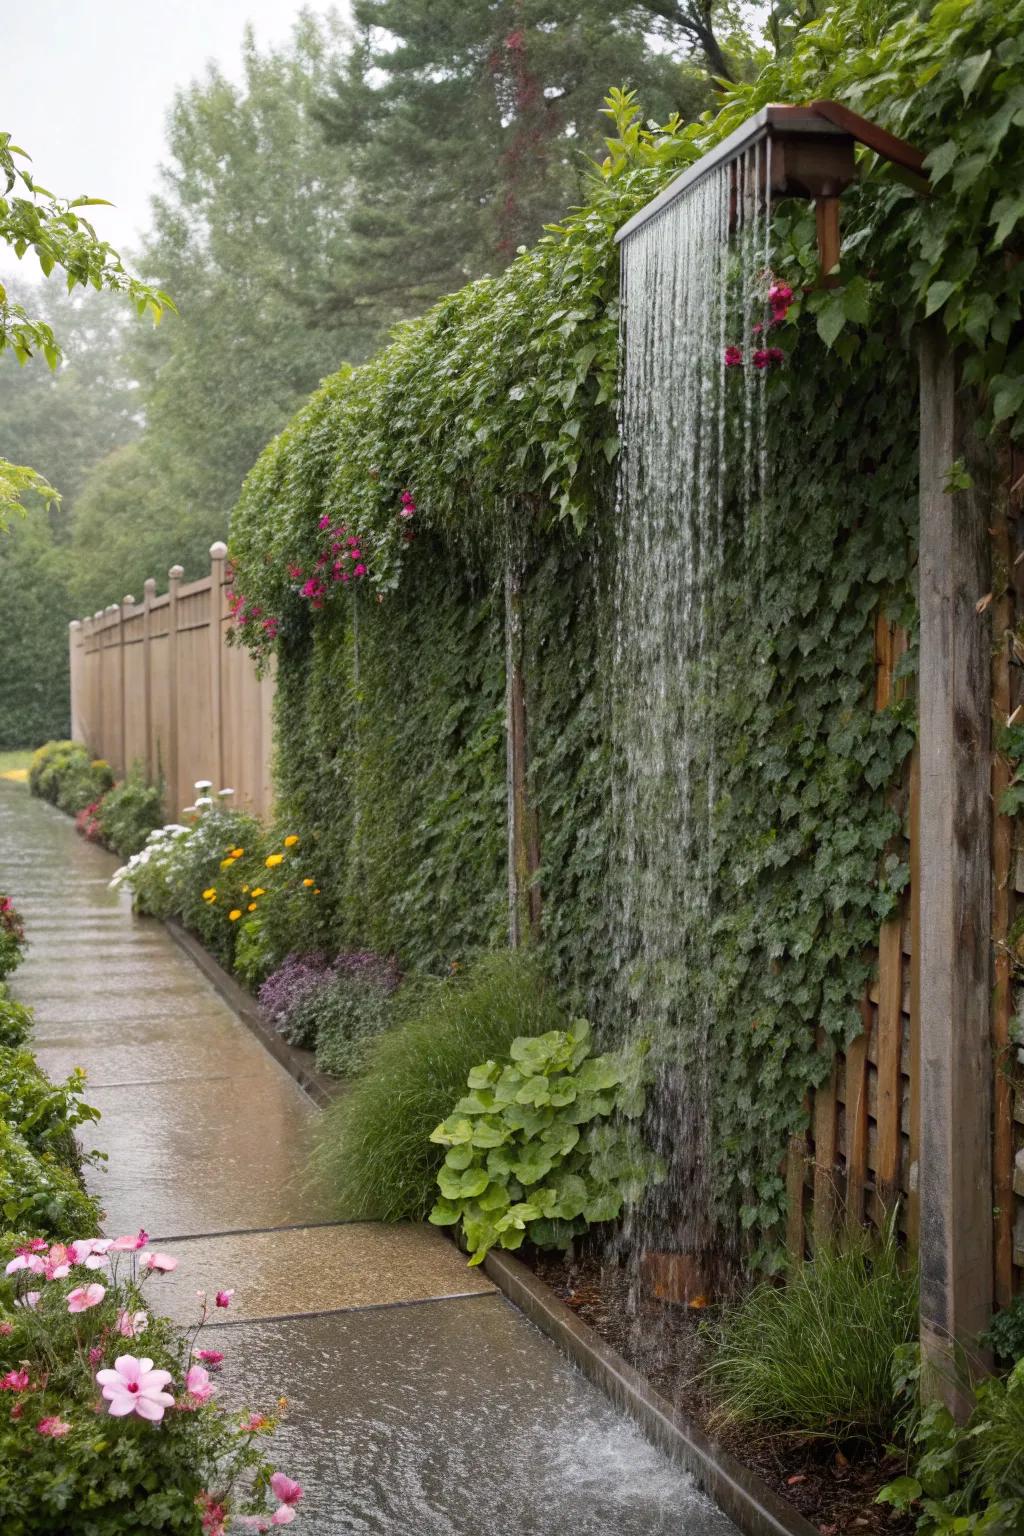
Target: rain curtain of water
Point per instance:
(695, 281)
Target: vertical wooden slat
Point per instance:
(174, 797)
(826, 1148)
(913, 1193)
(218, 555)
(76, 656)
(796, 1170)
(857, 1117)
(890, 645)
(1002, 917)
(148, 594)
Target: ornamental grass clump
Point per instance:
(110, 1421)
(813, 1358)
(375, 1145)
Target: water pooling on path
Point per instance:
(421, 1403)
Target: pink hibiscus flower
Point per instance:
(134, 1387)
(85, 1296)
(53, 1426)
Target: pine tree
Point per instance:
(468, 125)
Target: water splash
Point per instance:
(693, 464)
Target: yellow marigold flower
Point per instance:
(273, 860)
(211, 894)
(316, 890)
(244, 889)
(235, 915)
(252, 906)
(290, 840)
(259, 891)
(307, 882)
(226, 863)
(236, 853)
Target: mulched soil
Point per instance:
(833, 1489)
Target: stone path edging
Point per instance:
(746, 1498)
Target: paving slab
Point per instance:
(195, 1157)
(454, 1418)
(314, 1269)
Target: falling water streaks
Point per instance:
(688, 507)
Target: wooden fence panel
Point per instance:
(156, 682)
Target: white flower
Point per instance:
(223, 793)
(203, 800)
(203, 784)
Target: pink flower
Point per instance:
(90, 1251)
(295, 572)
(283, 1515)
(360, 570)
(160, 1261)
(29, 1261)
(766, 355)
(85, 1296)
(223, 1298)
(198, 1383)
(14, 1381)
(95, 1355)
(254, 1422)
(34, 1245)
(210, 1357)
(6, 1329)
(325, 521)
(285, 1488)
(30, 1299)
(131, 1324)
(733, 357)
(58, 1262)
(53, 1426)
(134, 1387)
(128, 1244)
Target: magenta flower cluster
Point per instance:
(780, 297)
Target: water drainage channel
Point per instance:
(420, 1400)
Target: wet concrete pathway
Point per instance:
(421, 1401)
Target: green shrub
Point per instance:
(543, 1145)
(814, 1357)
(1005, 1335)
(130, 812)
(375, 1142)
(12, 937)
(46, 1114)
(64, 773)
(41, 1194)
(351, 1006)
(965, 1477)
(15, 1020)
(68, 1465)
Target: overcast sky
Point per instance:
(87, 84)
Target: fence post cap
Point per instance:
(98, 614)
(127, 601)
(113, 608)
(149, 585)
(219, 550)
(176, 572)
(74, 624)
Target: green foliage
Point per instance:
(345, 1017)
(45, 1114)
(41, 1193)
(375, 1141)
(34, 704)
(466, 124)
(814, 1358)
(12, 937)
(101, 1475)
(129, 812)
(15, 1021)
(399, 791)
(969, 1477)
(63, 773)
(1005, 1333)
(542, 1146)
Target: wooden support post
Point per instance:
(826, 1156)
(218, 555)
(523, 840)
(174, 786)
(95, 736)
(111, 745)
(955, 1171)
(148, 594)
(826, 217)
(914, 1190)
(857, 1117)
(1002, 919)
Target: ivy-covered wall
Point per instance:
(499, 404)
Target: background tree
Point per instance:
(468, 125)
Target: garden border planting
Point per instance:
(755, 1508)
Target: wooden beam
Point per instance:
(1002, 918)
(955, 1175)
